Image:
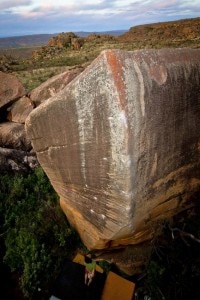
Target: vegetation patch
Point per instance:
(36, 233)
(68, 49)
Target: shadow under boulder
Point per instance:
(70, 284)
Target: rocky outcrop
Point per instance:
(12, 135)
(120, 143)
(19, 111)
(15, 149)
(173, 33)
(13, 160)
(16, 154)
(63, 39)
(10, 89)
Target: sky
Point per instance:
(24, 17)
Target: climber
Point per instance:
(90, 266)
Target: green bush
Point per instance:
(174, 269)
(37, 235)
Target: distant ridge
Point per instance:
(42, 39)
(185, 30)
(25, 41)
(112, 32)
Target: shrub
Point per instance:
(38, 237)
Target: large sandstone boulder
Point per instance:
(53, 85)
(120, 143)
(10, 88)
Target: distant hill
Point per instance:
(112, 32)
(42, 39)
(80, 48)
(174, 33)
(25, 41)
(167, 33)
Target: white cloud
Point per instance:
(70, 15)
(5, 4)
(38, 8)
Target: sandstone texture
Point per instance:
(19, 111)
(16, 153)
(15, 149)
(53, 85)
(120, 143)
(12, 135)
(10, 88)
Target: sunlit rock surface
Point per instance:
(10, 88)
(15, 149)
(120, 143)
(19, 111)
(53, 85)
(15, 106)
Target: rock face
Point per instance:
(120, 143)
(15, 149)
(19, 111)
(53, 85)
(12, 135)
(10, 88)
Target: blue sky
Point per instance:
(21, 17)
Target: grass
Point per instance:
(33, 78)
(32, 72)
(19, 53)
(162, 268)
